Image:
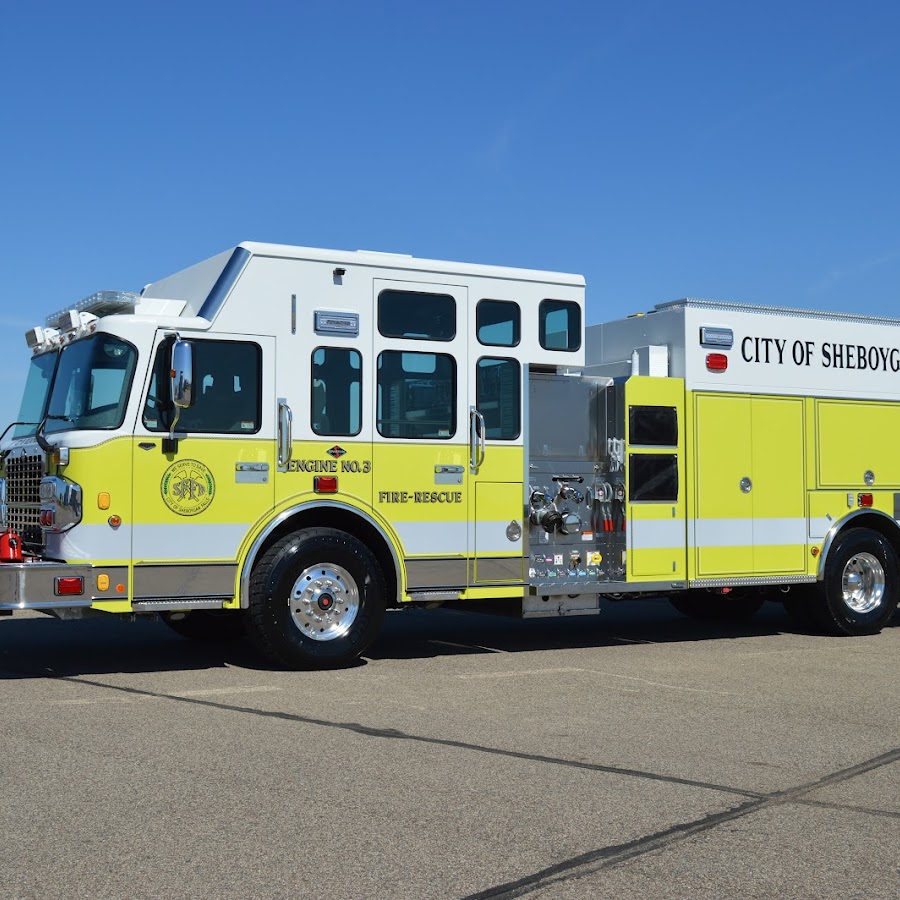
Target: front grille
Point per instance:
(23, 496)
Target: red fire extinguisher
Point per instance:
(10, 547)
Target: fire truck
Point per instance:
(287, 442)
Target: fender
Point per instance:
(286, 514)
(839, 526)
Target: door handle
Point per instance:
(285, 438)
(476, 439)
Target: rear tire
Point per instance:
(734, 607)
(206, 625)
(859, 591)
(317, 600)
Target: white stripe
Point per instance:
(747, 532)
(91, 542)
(203, 540)
(490, 537)
(432, 538)
(656, 534)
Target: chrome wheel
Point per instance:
(324, 601)
(863, 582)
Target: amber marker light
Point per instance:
(103, 500)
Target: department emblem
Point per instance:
(187, 487)
(336, 452)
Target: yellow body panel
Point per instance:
(846, 433)
(104, 469)
(647, 561)
(749, 455)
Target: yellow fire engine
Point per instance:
(290, 441)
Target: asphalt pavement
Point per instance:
(633, 754)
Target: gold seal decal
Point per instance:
(187, 487)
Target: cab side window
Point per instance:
(560, 325)
(336, 383)
(227, 390)
(498, 397)
(416, 395)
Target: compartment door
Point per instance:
(723, 527)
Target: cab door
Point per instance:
(194, 506)
(496, 463)
(420, 450)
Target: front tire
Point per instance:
(317, 600)
(859, 591)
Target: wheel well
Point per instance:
(350, 523)
(886, 527)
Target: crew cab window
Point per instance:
(417, 315)
(560, 325)
(227, 397)
(497, 397)
(336, 382)
(498, 323)
(416, 395)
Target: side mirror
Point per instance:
(182, 374)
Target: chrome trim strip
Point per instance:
(31, 585)
(233, 270)
(430, 574)
(173, 582)
(432, 596)
(489, 570)
(282, 517)
(793, 311)
(752, 581)
(47, 604)
(168, 603)
(836, 528)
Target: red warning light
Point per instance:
(69, 585)
(325, 484)
(716, 362)
(866, 499)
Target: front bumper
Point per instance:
(33, 585)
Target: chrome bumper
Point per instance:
(33, 585)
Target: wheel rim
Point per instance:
(324, 602)
(863, 582)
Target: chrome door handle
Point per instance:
(285, 438)
(476, 439)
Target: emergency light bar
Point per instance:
(103, 303)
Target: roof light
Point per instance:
(716, 337)
(39, 339)
(103, 303)
(716, 362)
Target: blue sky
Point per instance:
(710, 149)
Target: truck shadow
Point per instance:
(420, 634)
(43, 647)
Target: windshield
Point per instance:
(37, 386)
(89, 383)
